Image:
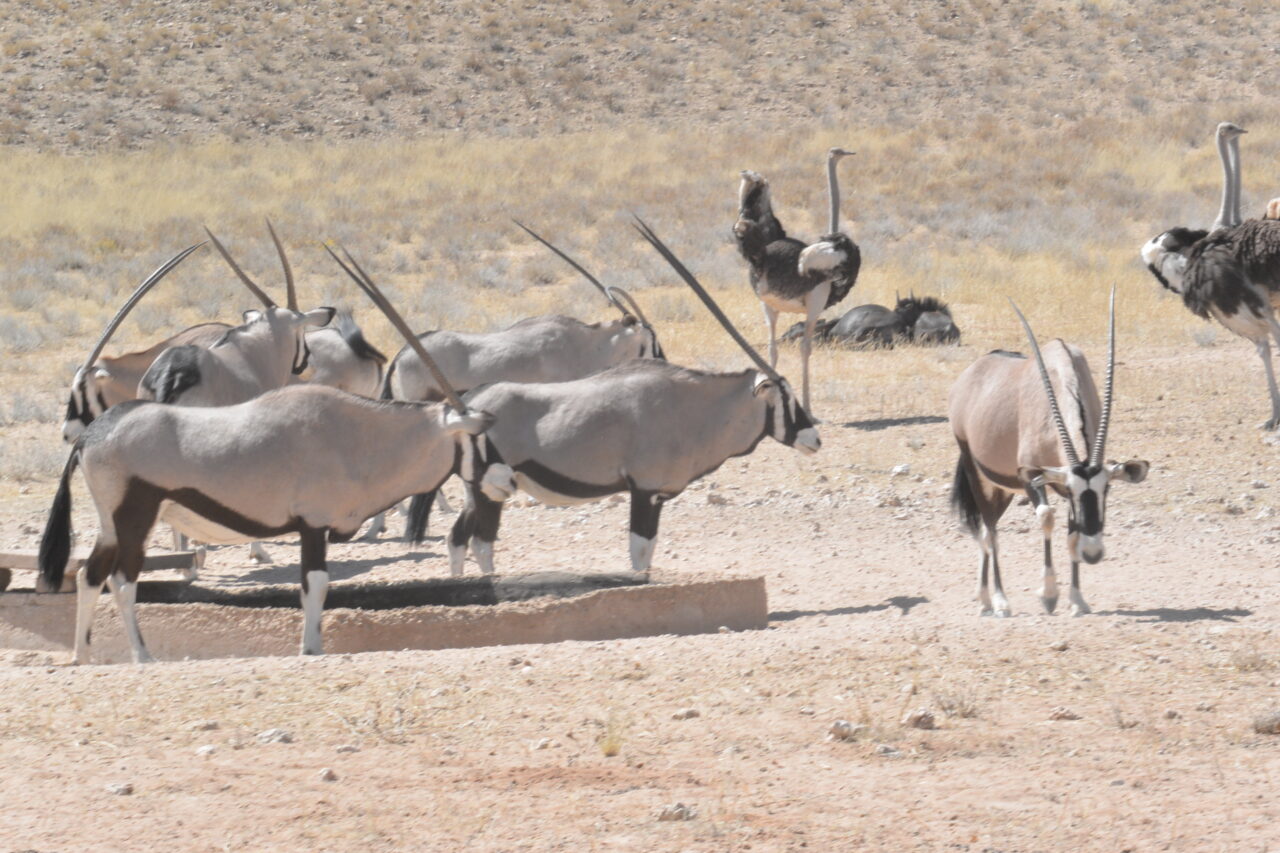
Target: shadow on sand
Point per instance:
(339, 570)
(889, 423)
(1192, 614)
(902, 602)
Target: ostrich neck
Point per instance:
(1235, 184)
(1224, 214)
(833, 187)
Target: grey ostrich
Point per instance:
(788, 274)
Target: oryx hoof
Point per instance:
(145, 657)
(259, 554)
(1270, 424)
(1081, 609)
(1050, 604)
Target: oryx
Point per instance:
(103, 382)
(551, 348)
(341, 358)
(1014, 438)
(258, 468)
(261, 354)
(646, 427)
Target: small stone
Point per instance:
(886, 749)
(275, 736)
(678, 811)
(844, 730)
(207, 749)
(1171, 714)
(717, 500)
(807, 711)
(1059, 646)
(900, 470)
(686, 714)
(1267, 724)
(327, 775)
(544, 743)
(920, 718)
(348, 747)
(120, 789)
(1061, 713)
(1117, 783)
(204, 726)
(1204, 706)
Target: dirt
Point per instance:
(1128, 729)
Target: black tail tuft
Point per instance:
(55, 544)
(385, 392)
(355, 339)
(415, 525)
(964, 502)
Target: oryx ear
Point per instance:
(1040, 477)
(101, 373)
(629, 320)
(251, 315)
(763, 383)
(318, 316)
(1133, 471)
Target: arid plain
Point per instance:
(1001, 152)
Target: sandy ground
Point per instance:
(1130, 729)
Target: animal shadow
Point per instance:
(902, 602)
(1190, 614)
(889, 423)
(338, 569)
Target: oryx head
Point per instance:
(1083, 484)
(288, 325)
(786, 420)
(1166, 255)
(635, 336)
(88, 397)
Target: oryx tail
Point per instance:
(55, 544)
(964, 497)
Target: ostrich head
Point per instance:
(837, 154)
(753, 196)
(1230, 130)
(1166, 255)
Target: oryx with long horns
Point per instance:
(263, 353)
(303, 459)
(646, 427)
(1015, 438)
(552, 348)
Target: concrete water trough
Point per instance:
(184, 620)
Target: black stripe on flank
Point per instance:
(206, 507)
(553, 481)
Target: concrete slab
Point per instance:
(248, 624)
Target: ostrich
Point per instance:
(788, 275)
(1228, 136)
(1232, 275)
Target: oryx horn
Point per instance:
(577, 266)
(1100, 440)
(616, 291)
(371, 289)
(141, 291)
(291, 295)
(1067, 447)
(248, 282)
(647, 233)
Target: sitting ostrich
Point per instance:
(788, 275)
(920, 320)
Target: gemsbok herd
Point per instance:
(234, 433)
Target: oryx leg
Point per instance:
(1078, 605)
(646, 507)
(377, 527)
(771, 320)
(488, 516)
(1044, 512)
(815, 301)
(315, 584)
(125, 592)
(463, 526)
(990, 587)
(89, 581)
(258, 553)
